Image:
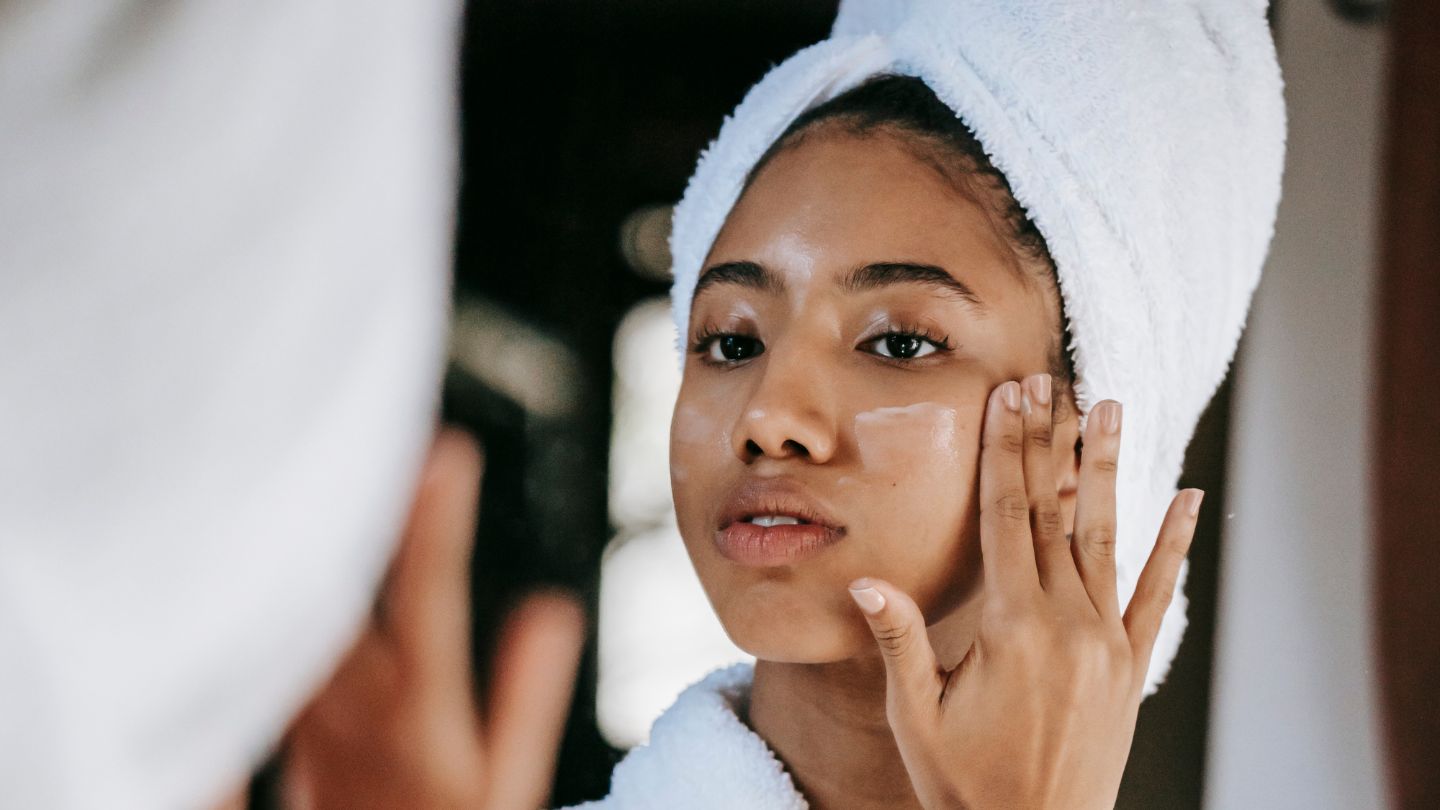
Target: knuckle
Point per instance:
(1090, 654)
(894, 639)
(1048, 520)
(1041, 435)
(1106, 464)
(1002, 436)
(1099, 541)
(1162, 592)
(1012, 442)
(1026, 634)
(999, 616)
(1013, 505)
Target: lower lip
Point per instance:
(749, 544)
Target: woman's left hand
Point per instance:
(1040, 712)
(398, 726)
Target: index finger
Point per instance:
(1005, 541)
(427, 600)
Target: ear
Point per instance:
(1066, 447)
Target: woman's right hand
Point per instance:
(1040, 712)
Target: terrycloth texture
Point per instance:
(225, 234)
(701, 756)
(1144, 137)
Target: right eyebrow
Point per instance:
(744, 274)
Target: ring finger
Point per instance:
(1052, 550)
(1094, 547)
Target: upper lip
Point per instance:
(774, 496)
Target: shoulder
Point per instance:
(701, 755)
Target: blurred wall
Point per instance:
(1294, 719)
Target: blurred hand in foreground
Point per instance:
(398, 725)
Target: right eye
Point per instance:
(732, 348)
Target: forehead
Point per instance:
(834, 201)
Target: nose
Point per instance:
(788, 414)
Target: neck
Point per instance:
(827, 723)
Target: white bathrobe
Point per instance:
(702, 756)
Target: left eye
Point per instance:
(900, 346)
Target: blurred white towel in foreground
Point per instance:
(225, 232)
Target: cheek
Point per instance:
(699, 438)
(925, 439)
(919, 463)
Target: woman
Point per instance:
(879, 408)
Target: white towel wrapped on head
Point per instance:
(1145, 139)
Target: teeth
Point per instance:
(775, 520)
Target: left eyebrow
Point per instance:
(884, 274)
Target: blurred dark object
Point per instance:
(1361, 11)
(1406, 411)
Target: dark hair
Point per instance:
(906, 107)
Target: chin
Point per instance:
(812, 636)
(813, 650)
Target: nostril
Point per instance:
(788, 448)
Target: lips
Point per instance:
(774, 522)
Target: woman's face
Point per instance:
(851, 320)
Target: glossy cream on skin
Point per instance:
(886, 437)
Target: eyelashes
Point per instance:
(908, 343)
(725, 348)
(897, 344)
(705, 337)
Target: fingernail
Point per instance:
(1109, 416)
(1193, 498)
(1040, 388)
(870, 600)
(1010, 392)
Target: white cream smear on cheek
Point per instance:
(890, 438)
(693, 427)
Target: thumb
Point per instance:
(911, 672)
